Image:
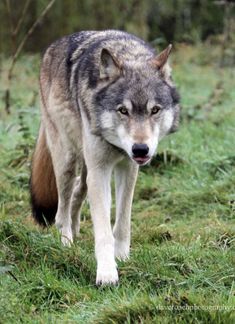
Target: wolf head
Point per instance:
(137, 104)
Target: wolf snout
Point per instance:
(140, 153)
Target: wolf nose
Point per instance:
(140, 150)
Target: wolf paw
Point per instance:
(66, 236)
(122, 250)
(106, 277)
(66, 240)
(65, 232)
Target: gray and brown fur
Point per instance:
(85, 78)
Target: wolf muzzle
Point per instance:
(140, 153)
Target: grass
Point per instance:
(181, 268)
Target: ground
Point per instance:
(181, 267)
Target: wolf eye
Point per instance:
(123, 110)
(156, 109)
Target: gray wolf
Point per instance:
(106, 101)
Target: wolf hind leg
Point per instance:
(64, 163)
(78, 196)
(125, 179)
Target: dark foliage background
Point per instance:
(154, 20)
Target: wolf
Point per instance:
(106, 101)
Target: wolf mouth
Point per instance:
(141, 160)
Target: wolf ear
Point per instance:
(109, 66)
(161, 63)
(162, 58)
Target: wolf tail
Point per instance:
(43, 191)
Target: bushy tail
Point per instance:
(44, 197)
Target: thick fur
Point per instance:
(102, 94)
(43, 184)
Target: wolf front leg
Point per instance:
(99, 195)
(125, 179)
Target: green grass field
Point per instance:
(182, 263)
